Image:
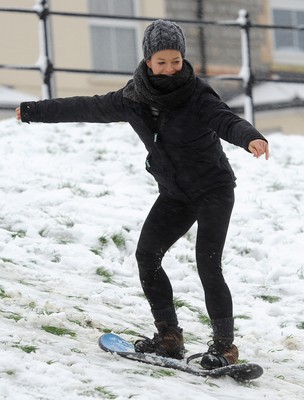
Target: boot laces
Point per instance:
(215, 348)
(148, 344)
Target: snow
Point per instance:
(73, 200)
(10, 97)
(272, 92)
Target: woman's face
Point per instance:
(165, 62)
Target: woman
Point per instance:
(180, 120)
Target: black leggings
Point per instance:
(168, 220)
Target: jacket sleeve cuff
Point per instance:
(27, 111)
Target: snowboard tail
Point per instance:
(113, 343)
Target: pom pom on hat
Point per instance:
(163, 35)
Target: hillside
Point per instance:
(73, 199)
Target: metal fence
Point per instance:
(48, 70)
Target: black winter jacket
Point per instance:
(185, 154)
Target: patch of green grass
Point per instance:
(102, 242)
(162, 373)
(83, 323)
(104, 193)
(78, 351)
(10, 372)
(56, 258)
(66, 221)
(79, 309)
(21, 234)
(129, 332)
(242, 361)
(96, 251)
(25, 283)
(301, 325)
(275, 350)
(54, 330)
(155, 373)
(242, 317)
(75, 189)
(50, 362)
(135, 372)
(7, 260)
(32, 305)
(106, 394)
(16, 317)
(210, 383)
(182, 303)
(61, 238)
(27, 349)
(105, 330)
(75, 321)
(269, 299)
(119, 240)
(106, 275)
(78, 297)
(192, 338)
(203, 318)
(3, 294)
(65, 239)
(43, 232)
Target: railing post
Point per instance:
(246, 71)
(45, 63)
(201, 36)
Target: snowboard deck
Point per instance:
(113, 343)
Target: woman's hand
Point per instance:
(18, 114)
(259, 147)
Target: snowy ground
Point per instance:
(73, 199)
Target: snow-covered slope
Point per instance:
(73, 199)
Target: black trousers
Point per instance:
(168, 220)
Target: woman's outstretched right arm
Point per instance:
(105, 108)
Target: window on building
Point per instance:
(114, 42)
(288, 43)
(289, 39)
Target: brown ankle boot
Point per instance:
(168, 342)
(171, 341)
(221, 352)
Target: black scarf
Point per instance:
(161, 91)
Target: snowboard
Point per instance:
(113, 343)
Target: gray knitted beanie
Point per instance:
(163, 35)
